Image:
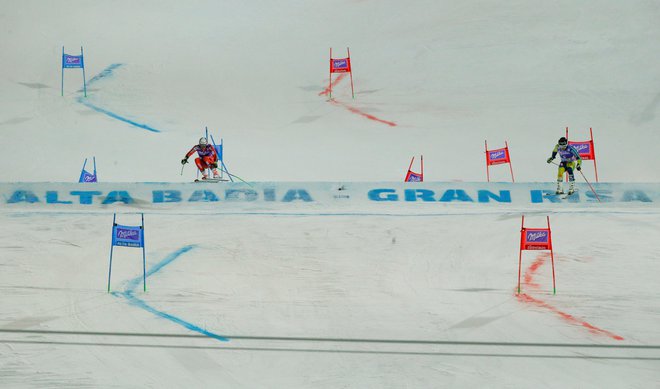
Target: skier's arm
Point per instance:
(188, 154)
(554, 154)
(191, 152)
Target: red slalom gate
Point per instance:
(498, 157)
(586, 149)
(536, 239)
(412, 176)
(340, 65)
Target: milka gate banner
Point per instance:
(586, 149)
(498, 157)
(395, 197)
(73, 62)
(340, 65)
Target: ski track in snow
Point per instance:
(528, 299)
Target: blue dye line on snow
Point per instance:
(107, 72)
(115, 116)
(129, 294)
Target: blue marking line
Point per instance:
(129, 294)
(106, 73)
(113, 115)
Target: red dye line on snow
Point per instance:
(529, 273)
(326, 91)
(366, 115)
(334, 83)
(526, 298)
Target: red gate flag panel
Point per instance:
(413, 177)
(535, 239)
(340, 65)
(585, 149)
(496, 157)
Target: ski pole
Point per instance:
(590, 187)
(235, 176)
(587, 181)
(182, 166)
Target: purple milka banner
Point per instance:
(537, 236)
(127, 236)
(340, 63)
(72, 61)
(497, 155)
(582, 147)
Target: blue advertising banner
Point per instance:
(391, 197)
(127, 236)
(72, 61)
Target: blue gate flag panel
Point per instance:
(72, 61)
(127, 236)
(86, 176)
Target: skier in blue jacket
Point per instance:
(570, 158)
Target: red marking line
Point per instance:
(358, 112)
(526, 298)
(326, 91)
(334, 83)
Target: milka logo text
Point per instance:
(128, 234)
(581, 147)
(497, 154)
(537, 236)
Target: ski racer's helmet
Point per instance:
(203, 142)
(563, 142)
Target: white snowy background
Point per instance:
(322, 299)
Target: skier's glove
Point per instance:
(550, 160)
(579, 167)
(184, 161)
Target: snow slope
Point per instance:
(450, 75)
(337, 291)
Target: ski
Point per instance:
(211, 180)
(561, 195)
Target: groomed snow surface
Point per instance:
(307, 294)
